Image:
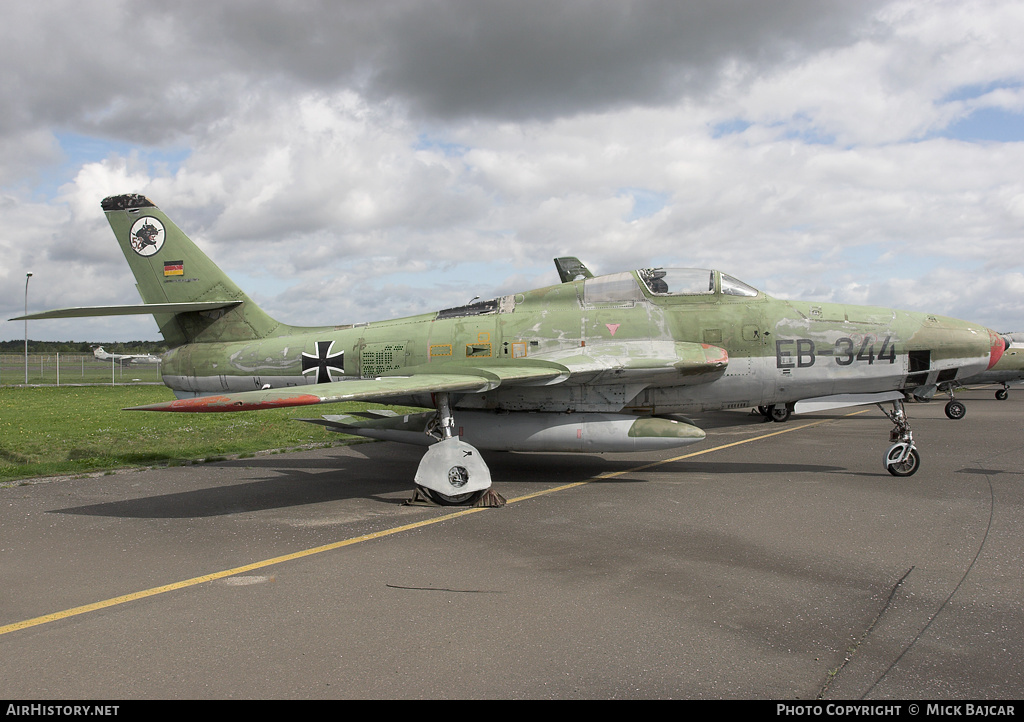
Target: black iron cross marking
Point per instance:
(323, 362)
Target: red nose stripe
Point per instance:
(998, 346)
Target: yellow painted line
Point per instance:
(614, 474)
(46, 618)
(134, 596)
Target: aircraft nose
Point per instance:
(998, 347)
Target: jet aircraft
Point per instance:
(596, 363)
(1009, 370)
(125, 358)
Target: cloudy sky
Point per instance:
(349, 161)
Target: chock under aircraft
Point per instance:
(594, 364)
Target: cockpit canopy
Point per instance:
(663, 282)
(691, 282)
(678, 281)
(618, 290)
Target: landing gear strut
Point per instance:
(452, 472)
(902, 458)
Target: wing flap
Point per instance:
(527, 372)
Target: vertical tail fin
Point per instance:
(170, 268)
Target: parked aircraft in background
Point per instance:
(1009, 370)
(596, 363)
(125, 358)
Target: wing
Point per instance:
(640, 364)
(379, 389)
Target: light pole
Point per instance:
(27, 276)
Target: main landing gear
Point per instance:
(775, 412)
(954, 409)
(902, 458)
(452, 472)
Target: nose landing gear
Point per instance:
(902, 458)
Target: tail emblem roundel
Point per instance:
(147, 236)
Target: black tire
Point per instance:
(908, 467)
(1002, 394)
(779, 413)
(956, 410)
(467, 499)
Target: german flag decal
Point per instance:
(174, 268)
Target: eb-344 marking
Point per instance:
(802, 352)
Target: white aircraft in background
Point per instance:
(125, 358)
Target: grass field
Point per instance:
(49, 431)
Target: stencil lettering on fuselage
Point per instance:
(802, 352)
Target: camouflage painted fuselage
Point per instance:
(624, 343)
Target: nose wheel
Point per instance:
(902, 458)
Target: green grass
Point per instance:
(49, 431)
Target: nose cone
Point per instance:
(998, 347)
(970, 348)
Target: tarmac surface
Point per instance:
(771, 561)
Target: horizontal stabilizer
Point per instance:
(841, 401)
(131, 310)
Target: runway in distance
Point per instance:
(596, 363)
(125, 358)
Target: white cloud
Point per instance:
(360, 181)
